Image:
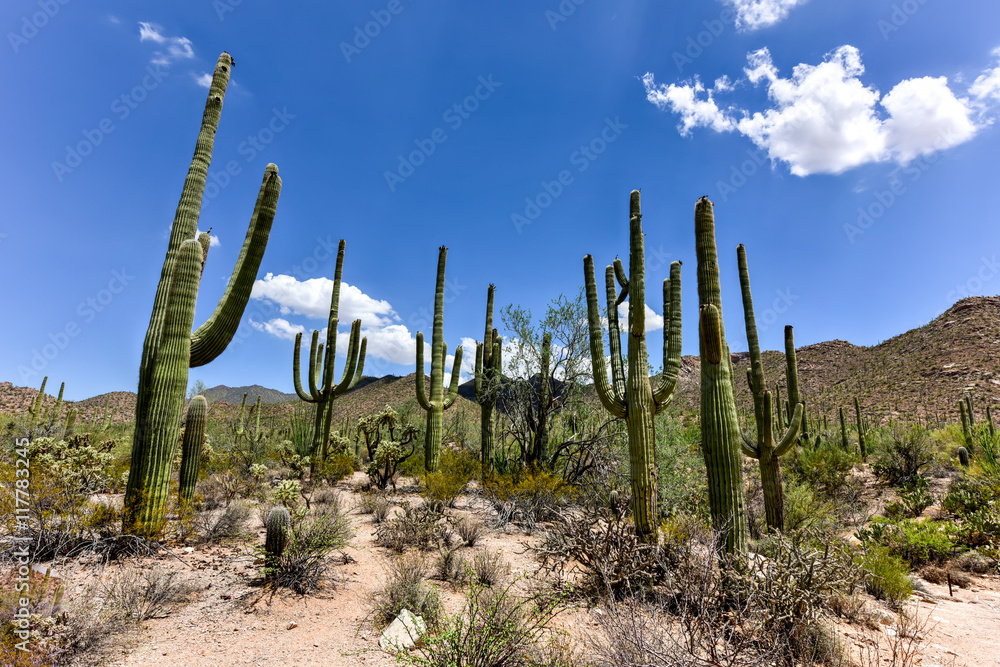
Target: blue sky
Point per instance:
(851, 146)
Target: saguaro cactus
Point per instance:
(965, 408)
(170, 347)
(194, 438)
(765, 449)
(278, 520)
(845, 443)
(487, 381)
(437, 402)
(633, 396)
(322, 388)
(720, 430)
(861, 430)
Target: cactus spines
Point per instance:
(768, 448)
(194, 438)
(170, 347)
(437, 401)
(632, 395)
(278, 520)
(323, 388)
(861, 430)
(720, 431)
(487, 380)
(963, 457)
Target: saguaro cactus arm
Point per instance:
(456, 374)
(212, 337)
(663, 393)
(421, 377)
(612, 401)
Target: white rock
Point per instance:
(402, 633)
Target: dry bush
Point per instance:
(526, 497)
(133, 594)
(405, 588)
(497, 627)
(950, 575)
(601, 544)
(470, 530)
(489, 569)
(380, 510)
(417, 527)
(451, 566)
(227, 523)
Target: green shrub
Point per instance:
(526, 497)
(804, 509)
(885, 575)
(824, 467)
(912, 502)
(902, 454)
(442, 488)
(336, 468)
(917, 542)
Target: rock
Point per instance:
(292, 626)
(189, 550)
(402, 633)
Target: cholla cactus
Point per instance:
(288, 492)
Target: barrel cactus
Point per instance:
(277, 523)
(631, 394)
(171, 347)
(963, 457)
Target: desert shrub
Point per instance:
(601, 545)
(824, 467)
(902, 454)
(305, 562)
(683, 484)
(914, 541)
(772, 610)
(885, 575)
(451, 565)
(82, 466)
(417, 527)
(135, 594)
(497, 627)
(442, 488)
(470, 530)
(980, 528)
(975, 562)
(949, 575)
(227, 523)
(912, 501)
(380, 510)
(335, 468)
(526, 497)
(489, 569)
(405, 588)
(804, 509)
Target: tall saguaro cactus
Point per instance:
(720, 430)
(861, 430)
(487, 380)
(632, 395)
(437, 402)
(322, 388)
(194, 439)
(170, 347)
(765, 449)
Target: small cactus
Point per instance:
(278, 520)
(963, 457)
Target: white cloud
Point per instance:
(684, 100)
(824, 119)
(987, 85)
(312, 299)
(756, 14)
(278, 327)
(204, 80)
(177, 48)
(653, 321)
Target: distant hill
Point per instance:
(917, 375)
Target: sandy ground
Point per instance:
(220, 626)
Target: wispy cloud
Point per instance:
(204, 80)
(174, 48)
(824, 119)
(755, 14)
